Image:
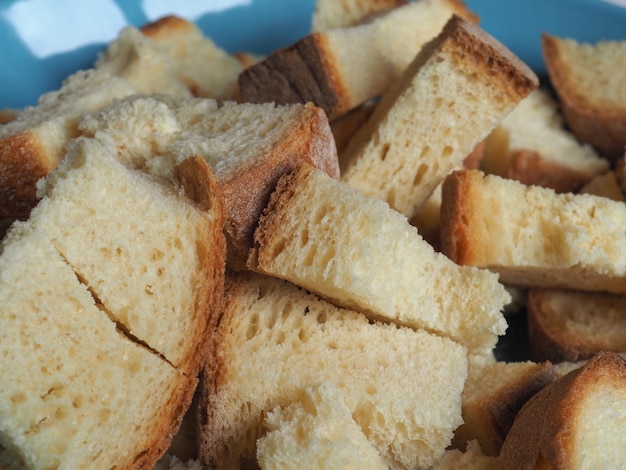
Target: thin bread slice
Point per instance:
(71, 379)
(275, 340)
(331, 14)
(570, 326)
(153, 258)
(419, 131)
(325, 236)
(532, 145)
(592, 95)
(570, 241)
(576, 422)
(33, 144)
(342, 68)
(317, 432)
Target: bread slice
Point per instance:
(341, 68)
(576, 422)
(317, 432)
(591, 94)
(403, 387)
(153, 259)
(569, 326)
(248, 146)
(492, 397)
(415, 137)
(331, 14)
(33, 144)
(533, 146)
(533, 236)
(206, 69)
(76, 391)
(358, 252)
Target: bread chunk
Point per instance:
(359, 253)
(591, 93)
(150, 256)
(533, 146)
(317, 431)
(420, 130)
(576, 422)
(331, 14)
(570, 326)
(341, 68)
(275, 340)
(570, 241)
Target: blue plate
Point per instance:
(43, 41)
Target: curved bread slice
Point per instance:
(358, 252)
(415, 137)
(592, 95)
(76, 391)
(570, 326)
(341, 68)
(275, 340)
(576, 422)
(533, 236)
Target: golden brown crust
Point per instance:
(248, 191)
(164, 27)
(529, 167)
(544, 429)
(23, 161)
(601, 126)
(8, 115)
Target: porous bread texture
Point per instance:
(153, 258)
(33, 144)
(472, 458)
(592, 95)
(356, 251)
(331, 14)
(421, 129)
(579, 421)
(248, 146)
(532, 145)
(569, 326)
(493, 395)
(139, 60)
(342, 68)
(206, 69)
(75, 391)
(316, 431)
(533, 236)
(403, 387)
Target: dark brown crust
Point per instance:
(23, 160)
(602, 127)
(541, 436)
(248, 192)
(530, 168)
(300, 73)
(8, 115)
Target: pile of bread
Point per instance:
(307, 259)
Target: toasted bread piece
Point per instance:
(33, 144)
(532, 145)
(342, 68)
(325, 236)
(153, 259)
(570, 326)
(275, 340)
(207, 70)
(591, 93)
(414, 138)
(331, 14)
(71, 380)
(570, 241)
(344, 127)
(493, 395)
(248, 146)
(575, 422)
(316, 432)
